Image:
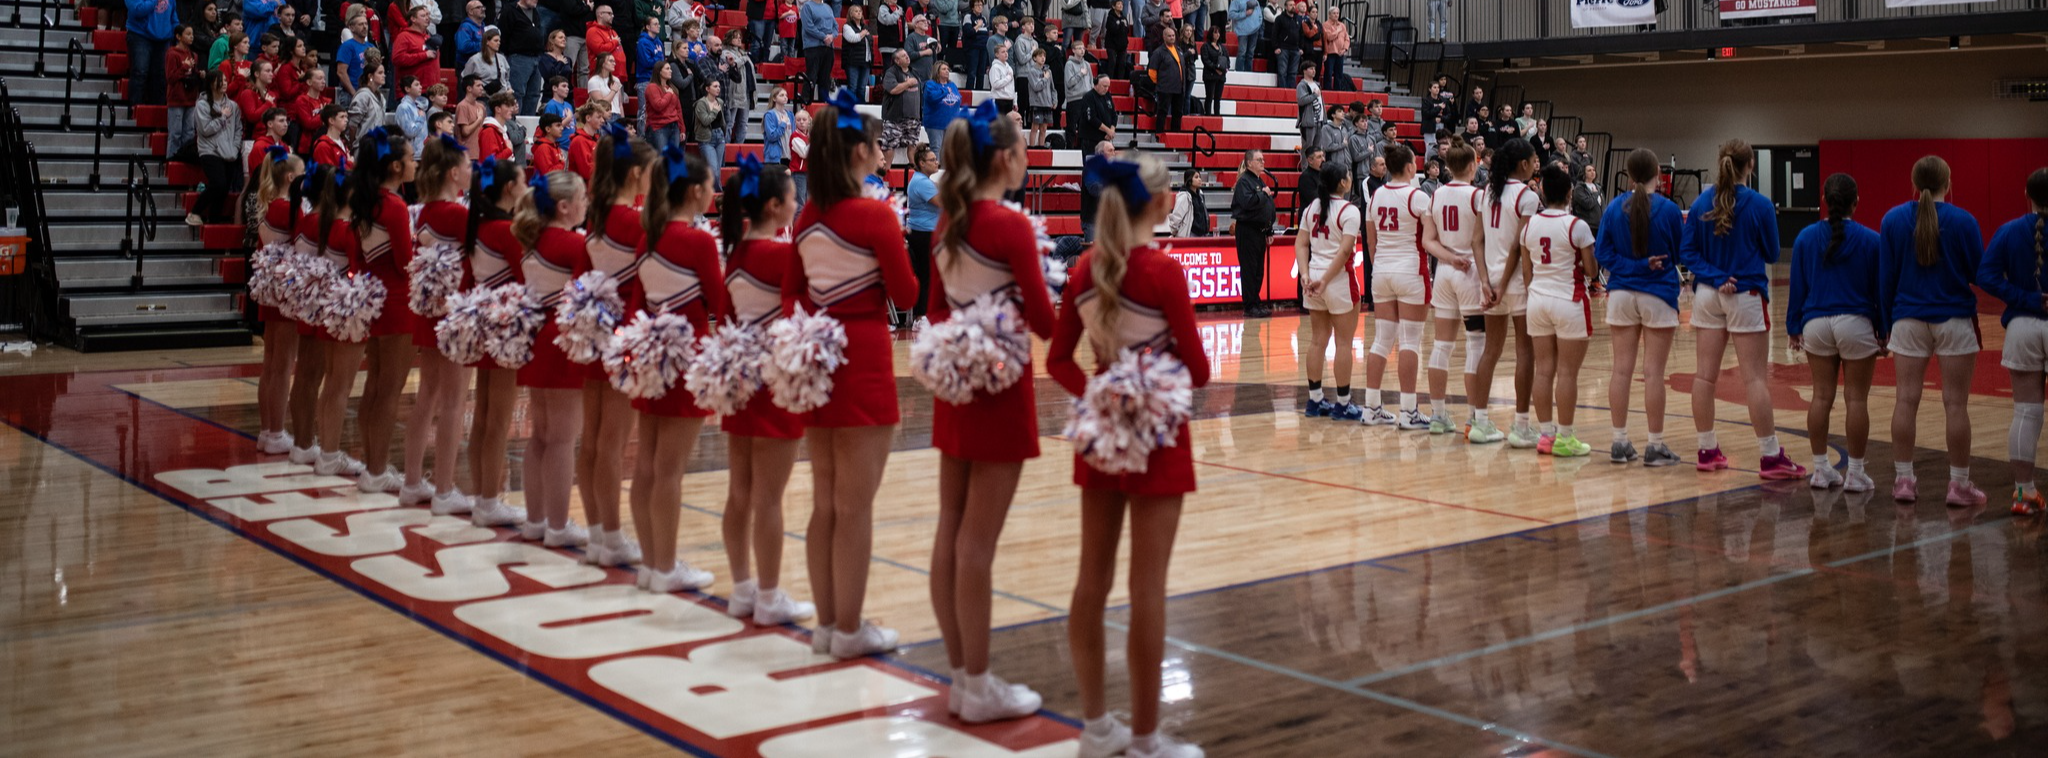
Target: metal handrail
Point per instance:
(70, 75)
(1194, 142)
(43, 43)
(142, 212)
(102, 129)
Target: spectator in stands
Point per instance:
(555, 61)
(234, 69)
(601, 40)
(1073, 16)
(183, 79)
(257, 97)
(348, 59)
(1190, 214)
(1470, 131)
(788, 28)
(760, 27)
(411, 54)
(492, 140)
(1336, 45)
(151, 24)
(258, 16)
(206, 25)
(604, 85)
(1505, 126)
(1478, 101)
(740, 90)
(977, 39)
(924, 49)
(662, 106)
(855, 55)
(590, 117)
(271, 128)
(1215, 71)
(331, 149)
(1249, 21)
(469, 112)
(1116, 36)
(775, 127)
(291, 72)
(367, 110)
(488, 65)
(1308, 108)
(524, 40)
(919, 222)
(1023, 42)
(1311, 33)
(469, 38)
(710, 125)
(648, 49)
(941, 103)
(1287, 44)
(1540, 137)
(1526, 123)
(1251, 211)
(1335, 139)
(218, 124)
(1169, 68)
(412, 111)
(818, 31)
(287, 26)
(223, 47)
(800, 154)
(1042, 96)
(305, 111)
(1431, 112)
(1439, 20)
(1586, 197)
(1308, 186)
(547, 144)
(559, 104)
(442, 122)
(902, 104)
(1581, 155)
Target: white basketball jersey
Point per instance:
(1554, 238)
(1456, 206)
(1326, 240)
(1397, 214)
(1504, 223)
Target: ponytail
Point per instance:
(1930, 177)
(739, 212)
(1328, 178)
(2037, 192)
(560, 187)
(667, 196)
(1839, 193)
(1736, 158)
(618, 153)
(484, 200)
(1116, 229)
(1643, 170)
(835, 175)
(967, 167)
(375, 155)
(1506, 160)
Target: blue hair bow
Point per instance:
(622, 142)
(1124, 174)
(306, 185)
(750, 175)
(449, 140)
(678, 161)
(849, 118)
(340, 177)
(978, 123)
(276, 153)
(486, 172)
(542, 199)
(378, 137)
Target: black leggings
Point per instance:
(818, 69)
(220, 177)
(921, 264)
(1251, 262)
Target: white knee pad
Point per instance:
(1411, 336)
(1440, 358)
(2025, 434)
(1382, 339)
(1475, 343)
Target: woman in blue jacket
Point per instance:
(1833, 316)
(1930, 255)
(941, 102)
(1638, 247)
(1731, 239)
(2012, 272)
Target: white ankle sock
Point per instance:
(2026, 489)
(1316, 394)
(1959, 474)
(1902, 470)
(1709, 442)
(1478, 413)
(1621, 434)
(1567, 430)
(1769, 445)
(1855, 465)
(1521, 420)
(1820, 461)
(1550, 428)
(1656, 438)
(1103, 724)
(1436, 406)
(1407, 401)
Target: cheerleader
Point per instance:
(337, 243)
(1731, 238)
(985, 250)
(316, 203)
(615, 245)
(1832, 315)
(761, 439)
(1638, 246)
(496, 189)
(1929, 251)
(545, 226)
(378, 239)
(274, 179)
(444, 172)
(1126, 294)
(1323, 251)
(681, 260)
(1459, 293)
(1559, 249)
(2012, 272)
(1402, 236)
(852, 263)
(1506, 205)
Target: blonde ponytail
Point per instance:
(1116, 229)
(1736, 157)
(1930, 177)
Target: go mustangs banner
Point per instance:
(1918, 3)
(1591, 13)
(1766, 8)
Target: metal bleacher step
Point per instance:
(137, 308)
(59, 144)
(52, 89)
(19, 64)
(55, 39)
(172, 234)
(157, 270)
(109, 202)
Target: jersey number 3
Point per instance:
(1390, 219)
(1546, 248)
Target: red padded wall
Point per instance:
(1989, 175)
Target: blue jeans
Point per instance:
(714, 150)
(1439, 19)
(146, 64)
(977, 67)
(526, 81)
(803, 189)
(859, 79)
(182, 128)
(935, 137)
(1248, 48)
(664, 137)
(1333, 67)
(1289, 63)
(762, 32)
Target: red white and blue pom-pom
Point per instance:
(983, 348)
(512, 317)
(1055, 270)
(435, 272)
(727, 371)
(1134, 407)
(803, 352)
(588, 314)
(1055, 274)
(649, 353)
(266, 272)
(302, 286)
(460, 335)
(352, 303)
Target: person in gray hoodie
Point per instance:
(218, 124)
(1336, 140)
(1308, 102)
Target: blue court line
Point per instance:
(1652, 610)
(182, 412)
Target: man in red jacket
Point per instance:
(602, 40)
(410, 53)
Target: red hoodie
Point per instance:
(410, 54)
(601, 40)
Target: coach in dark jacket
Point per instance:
(525, 39)
(1093, 117)
(1251, 211)
(1169, 64)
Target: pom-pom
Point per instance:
(1134, 407)
(803, 352)
(1055, 274)
(267, 271)
(590, 310)
(511, 318)
(302, 285)
(1055, 269)
(460, 335)
(436, 276)
(983, 348)
(648, 354)
(727, 371)
(352, 303)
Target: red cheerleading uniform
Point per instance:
(383, 252)
(306, 241)
(681, 277)
(1001, 256)
(1155, 315)
(557, 257)
(276, 226)
(753, 287)
(494, 262)
(851, 263)
(440, 221)
(617, 252)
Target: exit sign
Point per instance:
(1726, 52)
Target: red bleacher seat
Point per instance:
(221, 236)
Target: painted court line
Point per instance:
(1381, 493)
